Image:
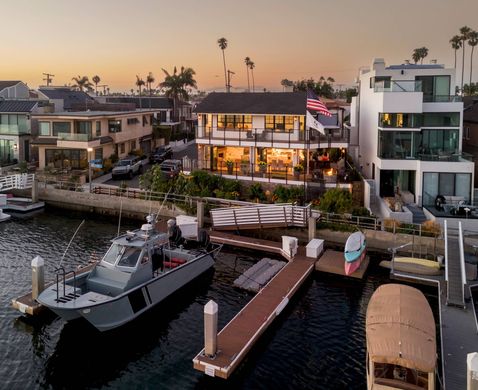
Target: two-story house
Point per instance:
(470, 130)
(264, 136)
(409, 128)
(15, 89)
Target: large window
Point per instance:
(66, 158)
(398, 144)
(280, 122)
(427, 119)
(234, 122)
(441, 119)
(98, 128)
(83, 127)
(114, 126)
(446, 184)
(435, 88)
(44, 128)
(439, 142)
(61, 127)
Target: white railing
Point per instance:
(462, 261)
(255, 216)
(20, 181)
(445, 228)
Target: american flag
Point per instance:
(313, 103)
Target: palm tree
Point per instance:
(247, 61)
(96, 79)
(416, 55)
(472, 41)
(140, 83)
(465, 32)
(423, 53)
(82, 82)
(150, 80)
(455, 45)
(286, 83)
(222, 42)
(251, 67)
(177, 86)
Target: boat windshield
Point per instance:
(130, 256)
(113, 253)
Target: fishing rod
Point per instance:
(71, 240)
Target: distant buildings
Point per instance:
(408, 125)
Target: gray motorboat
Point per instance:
(139, 270)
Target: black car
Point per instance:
(160, 154)
(171, 168)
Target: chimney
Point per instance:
(378, 64)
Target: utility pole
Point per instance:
(49, 78)
(229, 73)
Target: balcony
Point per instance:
(13, 130)
(75, 137)
(273, 138)
(398, 86)
(77, 141)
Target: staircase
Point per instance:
(418, 214)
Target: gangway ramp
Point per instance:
(260, 216)
(21, 181)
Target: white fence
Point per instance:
(20, 181)
(260, 216)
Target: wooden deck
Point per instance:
(333, 263)
(240, 334)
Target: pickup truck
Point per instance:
(160, 154)
(128, 166)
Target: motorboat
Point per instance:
(401, 340)
(140, 269)
(354, 252)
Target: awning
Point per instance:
(148, 137)
(400, 328)
(105, 140)
(44, 141)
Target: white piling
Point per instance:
(38, 276)
(210, 328)
(200, 214)
(312, 227)
(472, 371)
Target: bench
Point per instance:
(108, 282)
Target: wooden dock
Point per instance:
(333, 263)
(240, 334)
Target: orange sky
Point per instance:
(118, 39)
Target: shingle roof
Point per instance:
(5, 83)
(17, 105)
(292, 103)
(68, 96)
(146, 102)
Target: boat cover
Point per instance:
(400, 328)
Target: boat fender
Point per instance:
(177, 260)
(170, 264)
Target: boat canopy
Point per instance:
(400, 328)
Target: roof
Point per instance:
(415, 66)
(17, 105)
(88, 114)
(400, 328)
(146, 102)
(6, 84)
(66, 94)
(470, 112)
(292, 103)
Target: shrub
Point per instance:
(256, 193)
(336, 201)
(431, 227)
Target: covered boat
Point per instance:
(401, 340)
(140, 269)
(354, 252)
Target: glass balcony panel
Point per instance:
(75, 137)
(398, 86)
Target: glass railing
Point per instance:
(398, 86)
(441, 98)
(74, 137)
(13, 130)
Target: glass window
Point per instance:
(229, 121)
(112, 254)
(122, 149)
(397, 144)
(129, 257)
(98, 128)
(99, 154)
(289, 122)
(430, 187)
(66, 158)
(44, 128)
(447, 184)
(114, 126)
(438, 119)
(133, 145)
(248, 122)
(439, 141)
(83, 127)
(269, 121)
(61, 127)
(221, 121)
(22, 124)
(279, 122)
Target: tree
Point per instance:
(464, 34)
(251, 67)
(416, 55)
(82, 82)
(286, 83)
(247, 61)
(336, 200)
(472, 41)
(96, 79)
(149, 81)
(139, 83)
(222, 42)
(455, 45)
(419, 54)
(471, 90)
(177, 85)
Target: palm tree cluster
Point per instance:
(82, 83)
(419, 54)
(323, 87)
(466, 35)
(178, 85)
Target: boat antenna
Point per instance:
(119, 218)
(71, 240)
(162, 204)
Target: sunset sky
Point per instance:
(119, 39)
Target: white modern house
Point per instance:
(408, 125)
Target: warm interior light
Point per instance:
(89, 150)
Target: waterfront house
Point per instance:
(470, 129)
(15, 89)
(65, 98)
(408, 125)
(264, 137)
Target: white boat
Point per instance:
(401, 340)
(354, 252)
(140, 269)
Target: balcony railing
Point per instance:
(441, 98)
(13, 130)
(75, 137)
(273, 137)
(398, 86)
(438, 156)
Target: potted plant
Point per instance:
(298, 169)
(230, 166)
(262, 166)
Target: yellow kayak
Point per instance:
(411, 268)
(415, 260)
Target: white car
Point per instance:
(128, 166)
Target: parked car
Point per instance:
(171, 168)
(128, 166)
(160, 154)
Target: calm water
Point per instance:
(317, 343)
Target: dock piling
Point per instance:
(38, 276)
(472, 371)
(312, 227)
(200, 214)
(210, 328)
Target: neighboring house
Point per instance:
(14, 90)
(409, 128)
(15, 130)
(470, 130)
(264, 137)
(65, 137)
(162, 105)
(65, 98)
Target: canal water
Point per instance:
(318, 342)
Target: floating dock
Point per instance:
(333, 263)
(240, 334)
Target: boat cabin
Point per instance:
(401, 340)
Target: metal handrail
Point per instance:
(462, 261)
(445, 227)
(62, 269)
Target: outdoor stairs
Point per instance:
(418, 215)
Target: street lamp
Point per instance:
(89, 150)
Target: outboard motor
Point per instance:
(439, 202)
